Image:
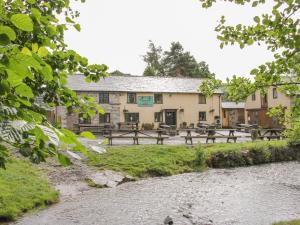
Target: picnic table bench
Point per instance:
(159, 138)
(245, 127)
(211, 135)
(100, 128)
(272, 133)
(128, 125)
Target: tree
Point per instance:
(280, 32)
(119, 73)
(34, 65)
(153, 59)
(175, 62)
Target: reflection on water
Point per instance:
(247, 196)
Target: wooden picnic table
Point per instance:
(99, 128)
(160, 138)
(245, 126)
(211, 135)
(270, 133)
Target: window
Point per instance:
(131, 117)
(202, 99)
(104, 97)
(253, 97)
(202, 116)
(104, 118)
(158, 117)
(264, 100)
(275, 93)
(158, 98)
(131, 98)
(84, 120)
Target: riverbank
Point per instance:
(253, 195)
(23, 188)
(165, 160)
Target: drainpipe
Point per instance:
(220, 104)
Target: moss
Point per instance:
(22, 189)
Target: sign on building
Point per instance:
(145, 101)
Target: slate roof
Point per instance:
(233, 105)
(137, 84)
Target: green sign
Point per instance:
(145, 101)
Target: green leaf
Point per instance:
(77, 27)
(254, 72)
(31, 1)
(26, 51)
(25, 102)
(8, 31)
(64, 160)
(13, 78)
(88, 135)
(255, 3)
(250, 42)
(36, 13)
(47, 72)
(4, 39)
(22, 21)
(256, 19)
(24, 90)
(35, 47)
(69, 20)
(43, 52)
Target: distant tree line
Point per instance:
(175, 63)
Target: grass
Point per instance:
(22, 188)
(291, 222)
(147, 160)
(165, 160)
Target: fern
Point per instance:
(12, 131)
(8, 111)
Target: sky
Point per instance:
(116, 33)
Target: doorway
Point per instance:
(171, 117)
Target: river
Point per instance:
(257, 195)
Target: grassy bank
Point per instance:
(291, 222)
(165, 160)
(22, 189)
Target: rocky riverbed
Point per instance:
(254, 195)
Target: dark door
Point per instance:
(170, 117)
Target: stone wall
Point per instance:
(68, 120)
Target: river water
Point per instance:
(256, 195)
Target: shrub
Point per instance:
(201, 158)
(147, 126)
(260, 154)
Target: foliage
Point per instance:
(22, 189)
(34, 65)
(155, 160)
(119, 73)
(279, 32)
(175, 62)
